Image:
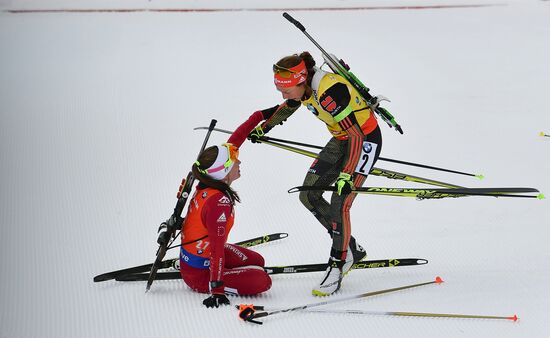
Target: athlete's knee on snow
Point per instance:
(257, 281)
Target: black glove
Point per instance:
(216, 300)
(167, 229)
(256, 134)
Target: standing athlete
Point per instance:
(344, 161)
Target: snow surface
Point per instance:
(97, 117)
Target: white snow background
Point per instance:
(97, 116)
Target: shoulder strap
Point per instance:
(316, 80)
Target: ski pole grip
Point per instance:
(294, 21)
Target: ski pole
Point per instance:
(248, 312)
(412, 314)
(412, 164)
(273, 140)
(424, 314)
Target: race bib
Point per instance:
(366, 160)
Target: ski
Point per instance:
(291, 269)
(432, 193)
(170, 262)
(368, 264)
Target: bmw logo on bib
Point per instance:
(367, 147)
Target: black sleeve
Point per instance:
(280, 114)
(267, 113)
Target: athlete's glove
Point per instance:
(167, 229)
(216, 300)
(343, 184)
(256, 134)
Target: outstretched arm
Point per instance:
(272, 116)
(278, 114)
(241, 133)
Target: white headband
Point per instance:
(218, 170)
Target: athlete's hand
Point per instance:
(216, 300)
(344, 184)
(256, 134)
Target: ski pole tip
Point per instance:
(541, 133)
(541, 196)
(480, 176)
(438, 280)
(514, 318)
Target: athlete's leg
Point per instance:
(237, 256)
(340, 205)
(323, 172)
(246, 281)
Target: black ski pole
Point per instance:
(313, 146)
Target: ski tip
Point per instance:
(284, 235)
(541, 133)
(293, 190)
(514, 318)
(438, 280)
(480, 176)
(541, 196)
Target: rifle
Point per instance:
(341, 68)
(168, 228)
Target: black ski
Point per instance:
(170, 262)
(275, 270)
(431, 193)
(369, 264)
